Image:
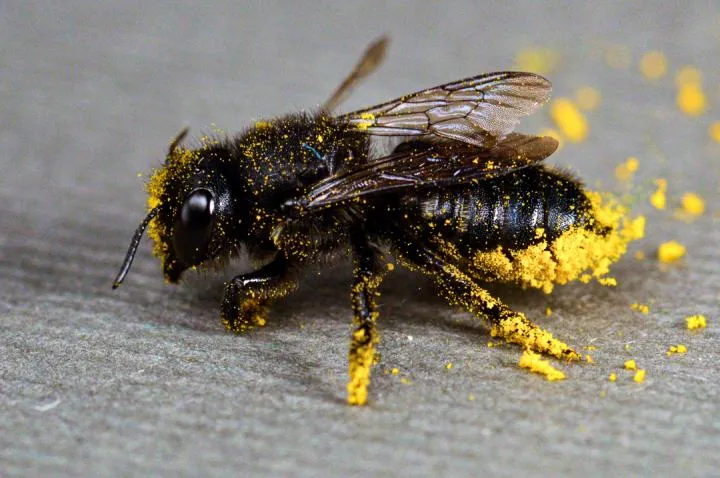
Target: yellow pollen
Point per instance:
(653, 65)
(569, 119)
(658, 199)
(625, 171)
(696, 322)
(671, 251)
(693, 204)
(534, 363)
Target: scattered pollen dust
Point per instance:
(696, 322)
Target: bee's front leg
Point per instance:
(367, 276)
(245, 303)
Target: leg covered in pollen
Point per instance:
(461, 289)
(518, 329)
(245, 303)
(367, 278)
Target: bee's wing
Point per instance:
(478, 110)
(430, 165)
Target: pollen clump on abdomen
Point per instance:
(580, 253)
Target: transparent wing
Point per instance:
(478, 110)
(427, 165)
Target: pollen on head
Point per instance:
(177, 169)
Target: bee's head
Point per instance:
(193, 219)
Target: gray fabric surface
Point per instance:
(144, 380)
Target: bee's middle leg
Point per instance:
(246, 298)
(367, 276)
(460, 288)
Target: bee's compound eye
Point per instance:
(198, 210)
(194, 227)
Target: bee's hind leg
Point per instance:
(459, 288)
(367, 276)
(245, 303)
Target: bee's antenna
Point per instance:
(370, 61)
(178, 139)
(133, 247)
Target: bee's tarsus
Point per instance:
(247, 296)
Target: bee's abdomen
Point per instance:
(513, 211)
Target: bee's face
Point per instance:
(194, 217)
(195, 223)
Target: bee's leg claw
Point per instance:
(246, 298)
(241, 311)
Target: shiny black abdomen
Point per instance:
(507, 211)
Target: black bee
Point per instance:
(436, 178)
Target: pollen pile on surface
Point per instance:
(653, 65)
(690, 96)
(642, 308)
(676, 349)
(696, 322)
(569, 119)
(625, 171)
(578, 253)
(630, 365)
(693, 204)
(536, 364)
(671, 251)
(658, 199)
(639, 376)
(688, 74)
(691, 99)
(714, 131)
